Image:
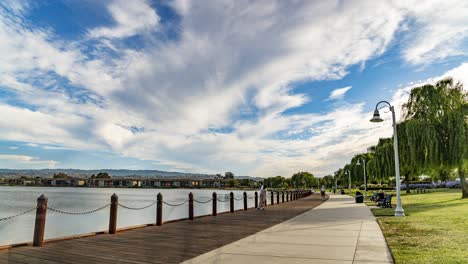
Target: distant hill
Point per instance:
(44, 173)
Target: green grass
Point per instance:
(435, 229)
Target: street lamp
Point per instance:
(365, 177)
(349, 180)
(376, 118)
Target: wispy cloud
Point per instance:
(231, 67)
(24, 161)
(339, 93)
(131, 18)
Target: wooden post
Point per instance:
(256, 200)
(231, 202)
(39, 227)
(245, 201)
(282, 196)
(113, 214)
(215, 200)
(272, 198)
(159, 205)
(190, 206)
(287, 196)
(277, 197)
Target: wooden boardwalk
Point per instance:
(170, 243)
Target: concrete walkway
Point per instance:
(338, 231)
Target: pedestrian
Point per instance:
(322, 191)
(261, 205)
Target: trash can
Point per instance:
(359, 197)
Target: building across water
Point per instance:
(126, 182)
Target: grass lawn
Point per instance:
(435, 229)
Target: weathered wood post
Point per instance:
(282, 196)
(190, 206)
(231, 202)
(159, 205)
(39, 227)
(113, 214)
(214, 200)
(256, 200)
(245, 200)
(272, 198)
(277, 197)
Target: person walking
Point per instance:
(261, 205)
(322, 191)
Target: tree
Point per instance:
(435, 128)
(244, 182)
(232, 183)
(102, 175)
(303, 179)
(228, 175)
(60, 175)
(328, 181)
(276, 182)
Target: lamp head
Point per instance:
(376, 118)
(358, 163)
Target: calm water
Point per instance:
(14, 200)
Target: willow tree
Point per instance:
(382, 164)
(434, 131)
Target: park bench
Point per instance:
(386, 202)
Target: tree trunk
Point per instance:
(463, 183)
(407, 183)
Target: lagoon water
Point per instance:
(14, 200)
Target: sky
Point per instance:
(259, 88)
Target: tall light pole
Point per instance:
(376, 118)
(349, 180)
(365, 176)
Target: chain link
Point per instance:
(169, 204)
(204, 201)
(242, 198)
(14, 216)
(77, 213)
(137, 208)
(222, 201)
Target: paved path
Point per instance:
(338, 231)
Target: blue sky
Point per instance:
(258, 88)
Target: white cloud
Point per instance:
(23, 161)
(13, 148)
(339, 93)
(230, 59)
(131, 18)
(441, 29)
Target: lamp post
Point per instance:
(365, 176)
(376, 118)
(349, 180)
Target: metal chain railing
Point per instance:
(242, 198)
(169, 204)
(203, 201)
(137, 208)
(16, 215)
(77, 213)
(222, 201)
